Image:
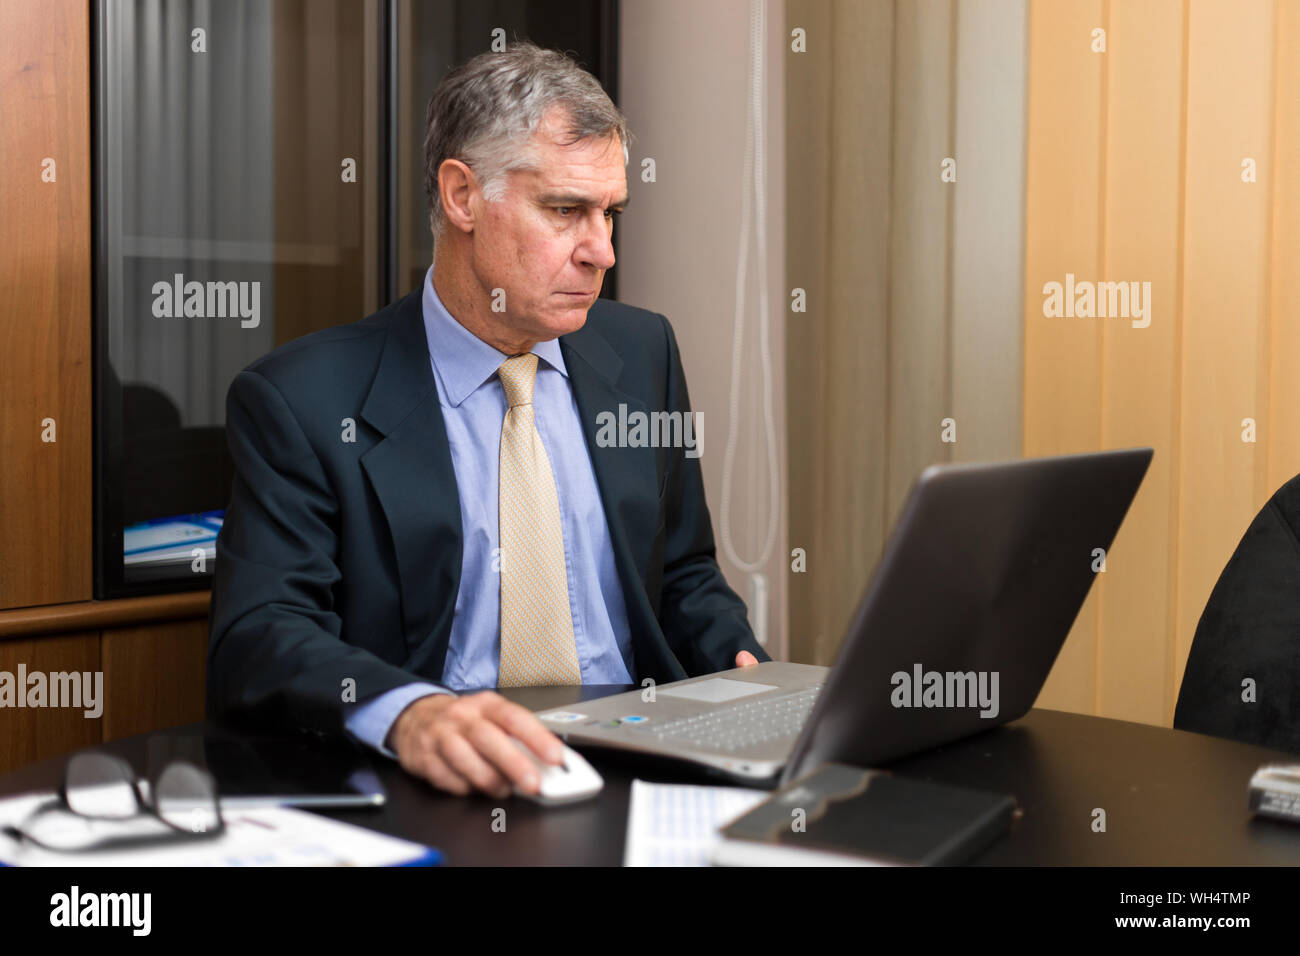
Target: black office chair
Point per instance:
(1251, 629)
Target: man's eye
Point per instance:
(565, 210)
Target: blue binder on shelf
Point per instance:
(171, 540)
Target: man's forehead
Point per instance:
(589, 170)
(569, 180)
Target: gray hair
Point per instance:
(485, 112)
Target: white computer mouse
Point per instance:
(569, 782)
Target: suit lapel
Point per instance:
(412, 475)
(626, 476)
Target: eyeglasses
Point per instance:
(100, 792)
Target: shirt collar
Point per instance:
(463, 360)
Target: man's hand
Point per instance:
(460, 744)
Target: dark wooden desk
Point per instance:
(1171, 798)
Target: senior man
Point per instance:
(422, 508)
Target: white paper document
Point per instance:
(263, 836)
(673, 824)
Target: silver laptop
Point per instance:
(975, 593)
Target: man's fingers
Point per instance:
(436, 771)
(745, 659)
(461, 756)
(495, 745)
(519, 722)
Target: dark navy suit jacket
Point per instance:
(340, 560)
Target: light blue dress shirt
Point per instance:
(473, 408)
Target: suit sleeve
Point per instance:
(275, 653)
(703, 619)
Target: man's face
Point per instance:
(547, 242)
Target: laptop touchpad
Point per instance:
(717, 690)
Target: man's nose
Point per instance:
(597, 247)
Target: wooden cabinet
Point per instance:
(46, 550)
(149, 654)
(29, 734)
(153, 676)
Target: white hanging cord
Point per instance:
(755, 186)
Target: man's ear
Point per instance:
(456, 185)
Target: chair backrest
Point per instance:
(1243, 673)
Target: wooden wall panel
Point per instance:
(45, 488)
(1133, 173)
(1188, 91)
(856, 302)
(1283, 440)
(1140, 387)
(29, 734)
(1225, 241)
(808, 196)
(914, 282)
(838, 144)
(152, 656)
(154, 676)
(920, 386)
(1062, 372)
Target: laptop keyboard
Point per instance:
(743, 725)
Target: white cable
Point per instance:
(755, 176)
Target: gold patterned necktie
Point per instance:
(537, 644)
